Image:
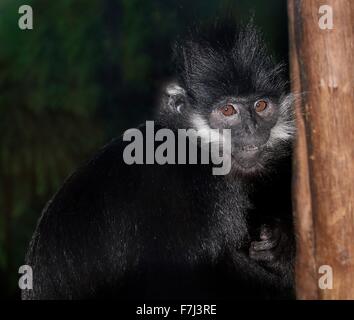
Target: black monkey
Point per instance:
(178, 231)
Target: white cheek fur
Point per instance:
(284, 129)
(174, 89)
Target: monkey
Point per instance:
(132, 231)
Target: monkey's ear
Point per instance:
(175, 97)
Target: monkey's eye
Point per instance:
(228, 110)
(261, 105)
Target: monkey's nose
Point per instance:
(250, 129)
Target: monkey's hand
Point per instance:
(275, 248)
(275, 252)
(268, 248)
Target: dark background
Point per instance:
(89, 70)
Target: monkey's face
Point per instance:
(250, 120)
(261, 127)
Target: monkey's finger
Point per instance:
(268, 232)
(264, 245)
(265, 232)
(262, 255)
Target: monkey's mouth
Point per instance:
(248, 156)
(250, 148)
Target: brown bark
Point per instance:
(322, 68)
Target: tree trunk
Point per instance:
(322, 69)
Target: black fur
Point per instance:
(222, 61)
(177, 231)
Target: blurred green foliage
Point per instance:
(88, 70)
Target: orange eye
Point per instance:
(228, 110)
(261, 105)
